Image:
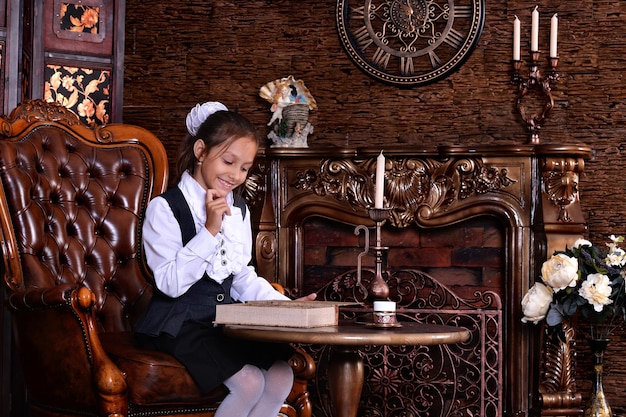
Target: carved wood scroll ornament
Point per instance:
(560, 181)
(414, 188)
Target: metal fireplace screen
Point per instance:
(447, 380)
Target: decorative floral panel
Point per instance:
(84, 91)
(79, 20)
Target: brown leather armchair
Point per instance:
(71, 206)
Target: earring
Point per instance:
(199, 163)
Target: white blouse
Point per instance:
(176, 267)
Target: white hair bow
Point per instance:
(200, 113)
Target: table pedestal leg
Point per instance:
(345, 379)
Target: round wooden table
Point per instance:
(345, 368)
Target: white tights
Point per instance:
(256, 392)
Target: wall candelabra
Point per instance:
(535, 83)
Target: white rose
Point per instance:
(536, 303)
(581, 242)
(560, 272)
(616, 258)
(596, 290)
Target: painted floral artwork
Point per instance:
(79, 18)
(84, 91)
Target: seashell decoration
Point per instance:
(291, 103)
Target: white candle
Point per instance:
(534, 31)
(385, 314)
(554, 28)
(516, 39)
(380, 181)
(384, 306)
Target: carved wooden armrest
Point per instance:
(109, 380)
(62, 316)
(40, 298)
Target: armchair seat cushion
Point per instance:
(153, 377)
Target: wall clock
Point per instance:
(409, 42)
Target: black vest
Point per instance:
(166, 314)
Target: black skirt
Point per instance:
(212, 357)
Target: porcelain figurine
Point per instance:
(291, 102)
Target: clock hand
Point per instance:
(407, 9)
(409, 14)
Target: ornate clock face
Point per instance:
(409, 42)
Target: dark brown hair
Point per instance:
(219, 129)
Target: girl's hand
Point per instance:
(310, 297)
(216, 209)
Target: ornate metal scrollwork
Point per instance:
(537, 83)
(413, 187)
(447, 380)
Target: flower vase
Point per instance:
(598, 405)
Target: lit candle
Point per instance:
(516, 39)
(380, 181)
(554, 28)
(534, 31)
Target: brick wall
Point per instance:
(465, 257)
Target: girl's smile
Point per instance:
(224, 168)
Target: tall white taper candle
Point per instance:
(516, 39)
(554, 29)
(534, 31)
(380, 181)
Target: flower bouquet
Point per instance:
(584, 279)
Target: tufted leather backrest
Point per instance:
(72, 203)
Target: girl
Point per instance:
(198, 243)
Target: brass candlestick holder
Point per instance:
(534, 83)
(378, 289)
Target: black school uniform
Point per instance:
(183, 326)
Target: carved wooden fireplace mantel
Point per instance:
(529, 192)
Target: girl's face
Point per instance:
(224, 167)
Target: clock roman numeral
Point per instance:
(357, 12)
(362, 38)
(463, 11)
(381, 58)
(406, 65)
(435, 61)
(454, 39)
